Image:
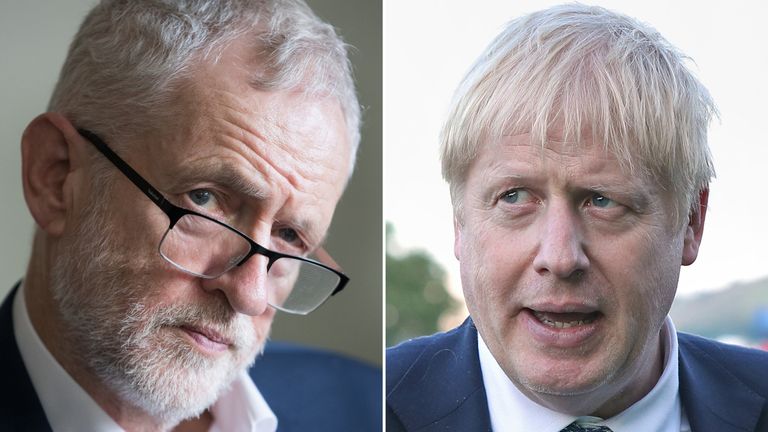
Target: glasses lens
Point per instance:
(203, 247)
(208, 249)
(299, 286)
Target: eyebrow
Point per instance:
(223, 174)
(228, 176)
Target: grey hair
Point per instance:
(588, 70)
(130, 57)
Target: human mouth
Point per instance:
(206, 338)
(562, 326)
(565, 320)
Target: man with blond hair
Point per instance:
(182, 183)
(577, 159)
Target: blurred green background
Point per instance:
(418, 301)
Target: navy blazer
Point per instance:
(308, 389)
(434, 383)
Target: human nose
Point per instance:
(245, 286)
(561, 245)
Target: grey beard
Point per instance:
(130, 346)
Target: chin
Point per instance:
(173, 381)
(561, 378)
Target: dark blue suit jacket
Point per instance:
(308, 389)
(434, 383)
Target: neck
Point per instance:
(50, 326)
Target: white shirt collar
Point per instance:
(241, 408)
(660, 410)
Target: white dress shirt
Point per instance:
(240, 408)
(659, 411)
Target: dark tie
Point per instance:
(575, 427)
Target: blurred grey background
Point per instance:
(34, 37)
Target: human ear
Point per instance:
(456, 237)
(695, 229)
(47, 163)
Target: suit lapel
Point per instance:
(20, 408)
(443, 388)
(713, 398)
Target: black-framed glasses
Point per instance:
(207, 248)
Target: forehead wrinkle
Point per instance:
(223, 173)
(263, 134)
(315, 145)
(242, 120)
(256, 136)
(520, 160)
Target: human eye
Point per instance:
(288, 240)
(601, 201)
(516, 196)
(200, 197)
(209, 202)
(603, 207)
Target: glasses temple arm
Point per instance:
(148, 190)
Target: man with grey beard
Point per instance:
(182, 183)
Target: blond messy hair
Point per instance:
(589, 69)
